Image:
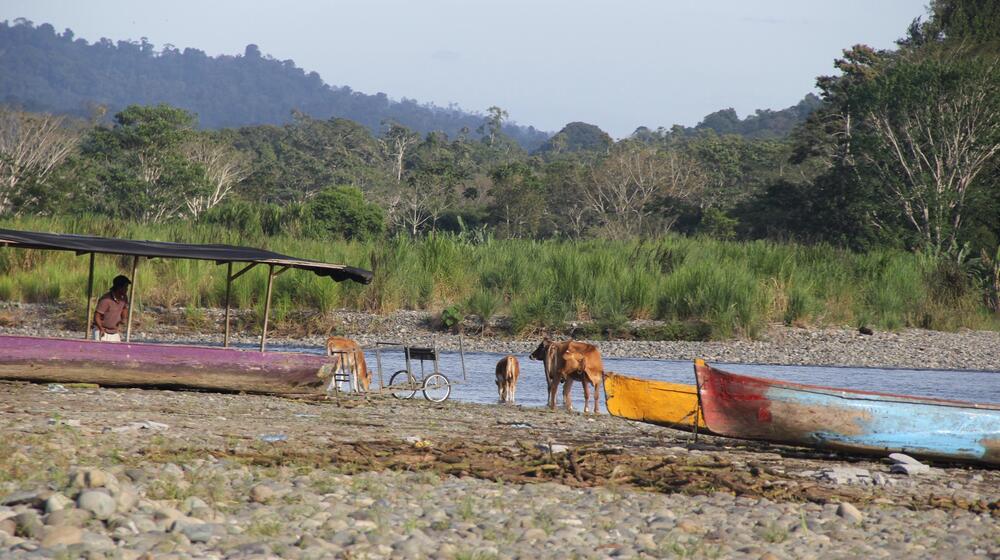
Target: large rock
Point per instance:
(261, 493)
(31, 498)
(57, 502)
(62, 535)
(849, 512)
(99, 503)
(28, 524)
(909, 469)
(71, 517)
(903, 458)
(90, 478)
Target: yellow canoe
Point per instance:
(656, 402)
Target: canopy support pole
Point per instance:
(131, 300)
(267, 305)
(229, 289)
(88, 320)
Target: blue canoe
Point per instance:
(747, 407)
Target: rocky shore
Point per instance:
(130, 473)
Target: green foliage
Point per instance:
(483, 304)
(343, 213)
(452, 317)
(142, 173)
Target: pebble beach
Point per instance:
(95, 472)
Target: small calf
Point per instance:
(508, 371)
(354, 361)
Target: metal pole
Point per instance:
(229, 287)
(88, 320)
(131, 299)
(267, 305)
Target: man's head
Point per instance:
(120, 285)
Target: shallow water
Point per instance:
(480, 387)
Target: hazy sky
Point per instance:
(617, 64)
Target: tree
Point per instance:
(933, 128)
(518, 200)
(222, 167)
(395, 143)
(492, 126)
(31, 147)
(143, 173)
(626, 183)
(343, 213)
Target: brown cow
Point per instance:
(354, 361)
(567, 361)
(508, 370)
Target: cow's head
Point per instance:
(539, 353)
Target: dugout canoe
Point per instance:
(655, 402)
(747, 407)
(54, 360)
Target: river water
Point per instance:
(479, 385)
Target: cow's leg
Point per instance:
(597, 398)
(586, 394)
(553, 388)
(513, 392)
(567, 389)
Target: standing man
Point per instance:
(112, 311)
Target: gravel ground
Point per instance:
(129, 473)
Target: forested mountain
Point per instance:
(57, 73)
(764, 123)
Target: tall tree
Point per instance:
(31, 147)
(143, 173)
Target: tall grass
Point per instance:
(737, 288)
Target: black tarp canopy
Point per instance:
(221, 254)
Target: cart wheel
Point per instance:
(437, 387)
(405, 389)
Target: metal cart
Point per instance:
(404, 383)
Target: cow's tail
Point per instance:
(509, 368)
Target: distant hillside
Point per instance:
(46, 71)
(765, 123)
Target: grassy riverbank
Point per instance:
(701, 287)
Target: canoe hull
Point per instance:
(159, 365)
(655, 402)
(855, 421)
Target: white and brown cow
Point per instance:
(353, 361)
(508, 370)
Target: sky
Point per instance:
(617, 64)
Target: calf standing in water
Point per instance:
(508, 371)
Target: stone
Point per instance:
(847, 475)
(71, 516)
(136, 475)
(61, 535)
(126, 498)
(90, 478)
(909, 469)
(849, 512)
(57, 502)
(688, 526)
(99, 503)
(32, 498)
(261, 493)
(198, 532)
(28, 524)
(192, 503)
(903, 458)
